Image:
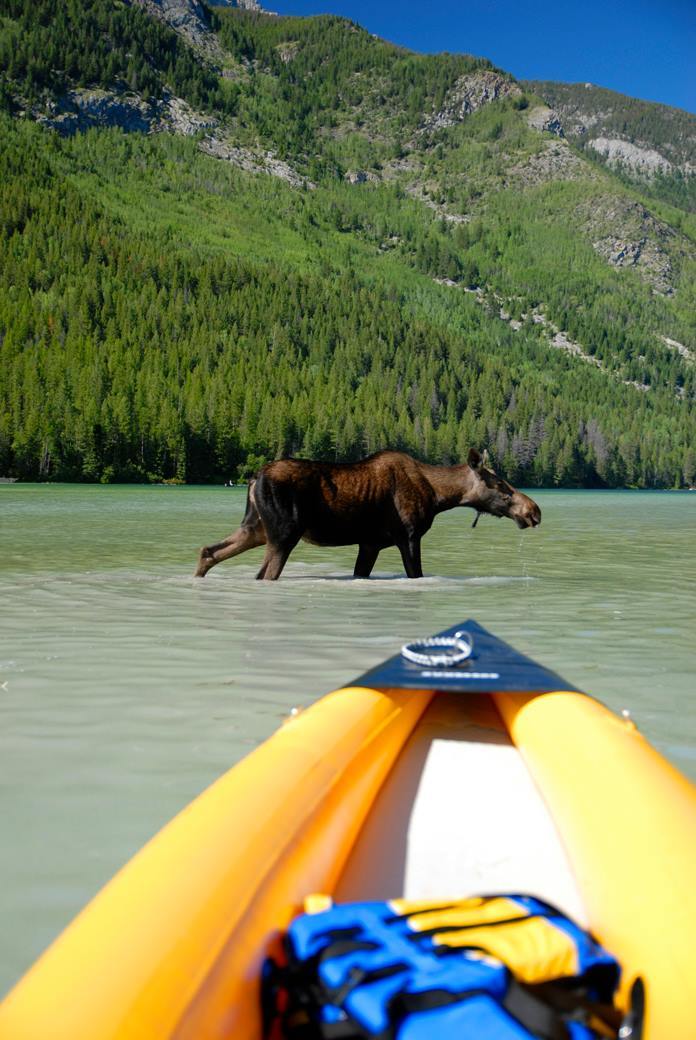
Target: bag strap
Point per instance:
(537, 1017)
(573, 1002)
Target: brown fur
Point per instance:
(387, 499)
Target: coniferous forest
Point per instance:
(340, 259)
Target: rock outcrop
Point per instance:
(263, 162)
(78, 110)
(673, 344)
(646, 256)
(360, 176)
(555, 161)
(189, 19)
(243, 5)
(626, 235)
(645, 137)
(470, 93)
(288, 50)
(544, 118)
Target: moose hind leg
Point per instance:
(243, 538)
(367, 557)
(275, 559)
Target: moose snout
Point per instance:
(534, 518)
(527, 514)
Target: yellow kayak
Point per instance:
(421, 781)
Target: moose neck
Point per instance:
(453, 485)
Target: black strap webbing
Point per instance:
(534, 1014)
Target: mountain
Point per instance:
(653, 146)
(227, 235)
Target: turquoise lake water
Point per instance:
(126, 686)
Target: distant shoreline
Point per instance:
(175, 485)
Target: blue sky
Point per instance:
(645, 48)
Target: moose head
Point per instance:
(491, 494)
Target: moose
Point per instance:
(386, 499)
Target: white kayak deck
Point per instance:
(459, 815)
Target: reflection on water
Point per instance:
(126, 686)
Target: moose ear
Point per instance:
(474, 459)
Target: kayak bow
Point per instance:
(494, 775)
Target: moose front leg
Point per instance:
(367, 557)
(410, 549)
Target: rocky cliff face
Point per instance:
(619, 152)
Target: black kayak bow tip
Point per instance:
(494, 666)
